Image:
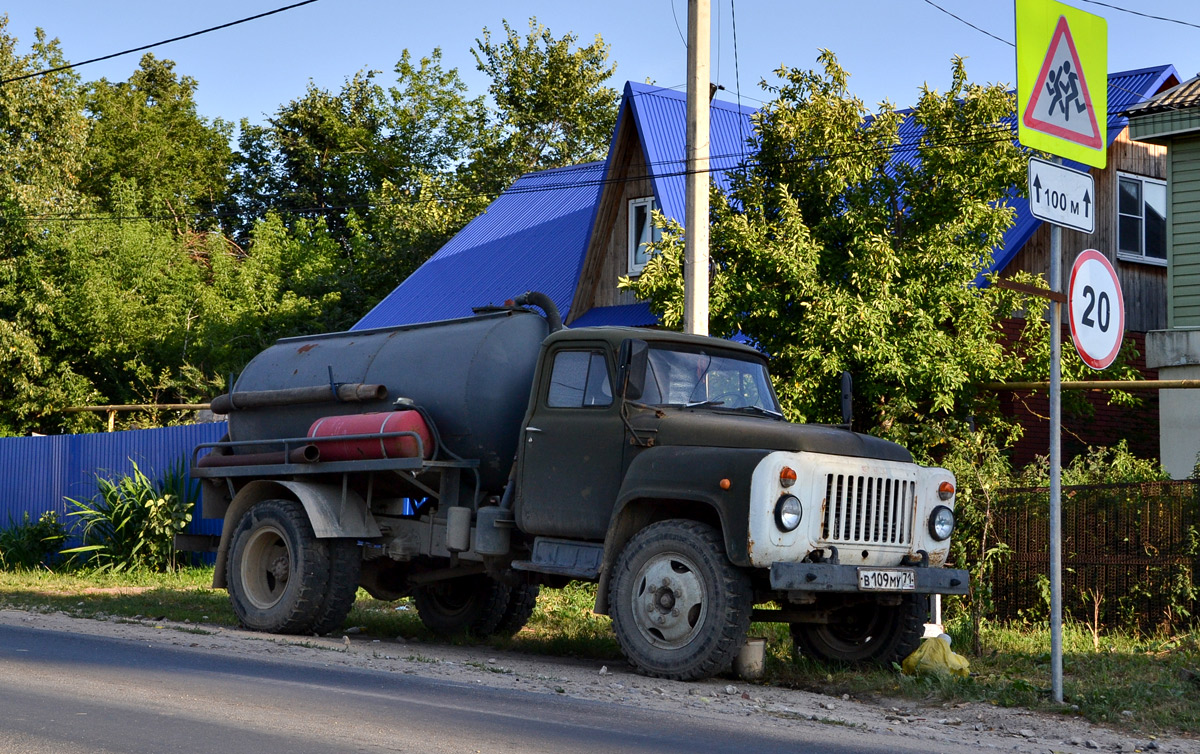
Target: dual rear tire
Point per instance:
(476, 604)
(282, 578)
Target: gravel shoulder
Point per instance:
(934, 727)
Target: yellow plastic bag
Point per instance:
(934, 657)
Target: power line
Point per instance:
(737, 76)
(1144, 15)
(968, 23)
(677, 29)
(155, 44)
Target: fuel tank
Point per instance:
(473, 376)
(405, 446)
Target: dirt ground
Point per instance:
(939, 727)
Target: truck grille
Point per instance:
(868, 509)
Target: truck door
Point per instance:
(571, 452)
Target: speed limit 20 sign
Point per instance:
(1097, 309)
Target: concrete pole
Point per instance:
(695, 265)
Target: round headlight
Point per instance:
(941, 523)
(788, 512)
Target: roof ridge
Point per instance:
(638, 89)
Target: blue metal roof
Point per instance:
(533, 237)
(627, 315)
(661, 119)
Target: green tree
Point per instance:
(147, 131)
(552, 107)
(836, 252)
(42, 139)
(327, 153)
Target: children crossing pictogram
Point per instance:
(1060, 104)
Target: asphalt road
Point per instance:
(73, 692)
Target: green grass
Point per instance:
(1155, 679)
(185, 595)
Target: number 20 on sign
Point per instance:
(1097, 309)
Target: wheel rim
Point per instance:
(669, 601)
(266, 567)
(453, 597)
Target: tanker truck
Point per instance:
(467, 463)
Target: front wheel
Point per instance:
(865, 632)
(680, 609)
(278, 569)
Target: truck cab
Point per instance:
(629, 428)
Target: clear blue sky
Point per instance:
(890, 47)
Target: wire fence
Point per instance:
(1130, 554)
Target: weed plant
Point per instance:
(31, 544)
(131, 522)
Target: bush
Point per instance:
(131, 522)
(31, 544)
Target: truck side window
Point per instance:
(579, 378)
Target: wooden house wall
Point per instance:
(1184, 232)
(607, 258)
(1143, 283)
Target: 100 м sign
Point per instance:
(1061, 195)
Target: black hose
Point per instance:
(545, 303)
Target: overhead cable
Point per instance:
(155, 44)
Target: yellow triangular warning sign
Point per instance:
(1060, 104)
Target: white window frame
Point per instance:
(636, 266)
(1130, 256)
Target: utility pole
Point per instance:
(695, 265)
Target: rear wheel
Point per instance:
(278, 571)
(680, 609)
(522, 599)
(472, 604)
(345, 565)
(865, 632)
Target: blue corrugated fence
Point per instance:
(38, 473)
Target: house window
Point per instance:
(641, 232)
(1141, 218)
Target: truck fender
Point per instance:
(682, 482)
(332, 511)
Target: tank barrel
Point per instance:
(344, 393)
(471, 376)
(303, 454)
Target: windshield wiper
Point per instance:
(759, 410)
(698, 404)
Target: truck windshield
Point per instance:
(677, 377)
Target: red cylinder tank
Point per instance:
(371, 424)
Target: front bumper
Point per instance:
(829, 577)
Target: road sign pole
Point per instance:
(1056, 656)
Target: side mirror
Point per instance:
(631, 376)
(847, 399)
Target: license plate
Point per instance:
(886, 579)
